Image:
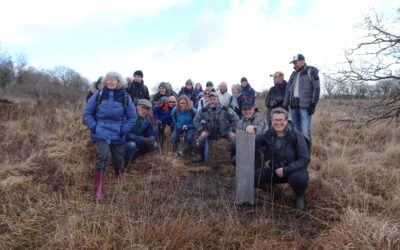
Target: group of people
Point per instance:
(126, 122)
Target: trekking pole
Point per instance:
(204, 124)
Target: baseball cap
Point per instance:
(213, 94)
(297, 57)
(277, 74)
(144, 102)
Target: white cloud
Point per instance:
(24, 20)
(245, 40)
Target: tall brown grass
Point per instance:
(353, 200)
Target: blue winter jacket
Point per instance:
(249, 94)
(183, 118)
(160, 114)
(142, 129)
(109, 120)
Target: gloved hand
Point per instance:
(311, 109)
(147, 141)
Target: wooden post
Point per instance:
(245, 150)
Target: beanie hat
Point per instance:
(163, 85)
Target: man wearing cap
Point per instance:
(136, 89)
(141, 138)
(276, 94)
(223, 95)
(252, 122)
(247, 91)
(215, 121)
(302, 94)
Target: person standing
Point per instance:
(110, 115)
(247, 91)
(276, 94)
(137, 90)
(223, 95)
(236, 100)
(302, 94)
(188, 90)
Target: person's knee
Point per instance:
(130, 149)
(298, 180)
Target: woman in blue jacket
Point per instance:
(110, 115)
(183, 115)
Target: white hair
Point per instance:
(121, 80)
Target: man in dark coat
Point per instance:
(247, 91)
(276, 94)
(188, 90)
(302, 94)
(137, 90)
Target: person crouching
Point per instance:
(141, 139)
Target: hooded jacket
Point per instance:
(256, 120)
(309, 89)
(292, 155)
(219, 121)
(138, 91)
(109, 120)
(249, 94)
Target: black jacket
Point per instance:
(292, 156)
(276, 93)
(138, 91)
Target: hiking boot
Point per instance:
(299, 200)
(98, 178)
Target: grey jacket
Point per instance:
(218, 122)
(256, 120)
(308, 87)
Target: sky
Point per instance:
(176, 40)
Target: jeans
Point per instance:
(302, 121)
(116, 152)
(132, 150)
(298, 180)
(188, 135)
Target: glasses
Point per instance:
(278, 120)
(171, 102)
(206, 93)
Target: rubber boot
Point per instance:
(299, 200)
(119, 174)
(98, 179)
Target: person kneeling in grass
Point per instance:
(141, 139)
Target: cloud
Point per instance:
(25, 21)
(248, 39)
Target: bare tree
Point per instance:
(376, 58)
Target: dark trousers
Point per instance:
(298, 180)
(106, 151)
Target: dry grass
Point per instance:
(45, 191)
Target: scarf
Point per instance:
(234, 102)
